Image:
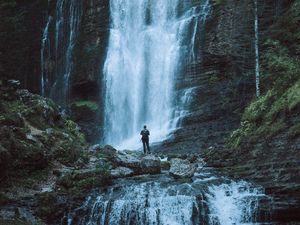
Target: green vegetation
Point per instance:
(33, 133)
(47, 204)
(77, 183)
(218, 2)
(86, 103)
(294, 131)
(270, 114)
(165, 165)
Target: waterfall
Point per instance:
(160, 200)
(57, 64)
(147, 44)
(257, 71)
(45, 56)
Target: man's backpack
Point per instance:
(145, 134)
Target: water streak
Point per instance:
(257, 70)
(45, 56)
(57, 63)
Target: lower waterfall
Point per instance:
(159, 200)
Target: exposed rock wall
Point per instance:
(91, 50)
(86, 82)
(20, 41)
(265, 147)
(222, 78)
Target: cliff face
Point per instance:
(91, 50)
(86, 81)
(222, 78)
(20, 38)
(265, 147)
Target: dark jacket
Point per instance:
(145, 134)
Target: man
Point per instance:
(145, 139)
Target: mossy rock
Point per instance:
(294, 131)
(92, 105)
(165, 165)
(47, 204)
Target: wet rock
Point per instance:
(121, 172)
(150, 164)
(127, 160)
(109, 150)
(13, 84)
(95, 147)
(182, 168)
(165, 165)
(18, 215)
(50, 206)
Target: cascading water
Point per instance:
(57, 60)
(148, 40)
(159, 200)
(257, 71)
(45, 56)
(233, 203)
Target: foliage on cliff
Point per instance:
(276, 110)
(34, 133)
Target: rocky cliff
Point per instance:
(221, 78)
(265, 147)
(20, 38)
(86, 82)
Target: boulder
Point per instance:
(182, 168)
(150, 164)
(109, 150)
(95, 147)
(127, 160)
(121, 172)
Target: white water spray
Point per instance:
(45, 56)
(148, 40)
(234, 203)
(210, 199)
(257, 71)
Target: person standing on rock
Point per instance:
(145, 139)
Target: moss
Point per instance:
(68, 143)
(286, 103)
(274, 111)
(47, 204)
(257, 109)
(294, 131)
(78, 186)
(85, 103)
(218, 2)
(165, 165)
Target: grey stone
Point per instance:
(127, 160)
(181, 168)
(150, 164)
(121, 172)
